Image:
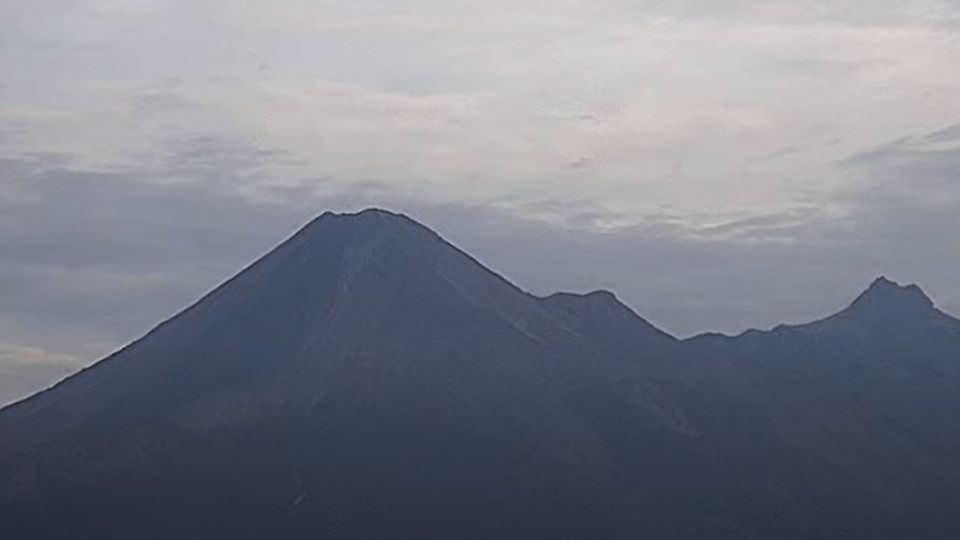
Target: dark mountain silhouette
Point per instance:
(366, 379)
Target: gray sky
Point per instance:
(719, 165)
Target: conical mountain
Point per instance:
(364, 372)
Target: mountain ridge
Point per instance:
(882, 294)
(368, 378)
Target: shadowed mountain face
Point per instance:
(366, 379)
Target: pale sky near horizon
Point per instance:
(719, 165)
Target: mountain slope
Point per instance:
(364, 351)
(367, 379)
(874, 390)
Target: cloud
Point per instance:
(916, 166)
(476, 101)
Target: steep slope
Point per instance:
(365, 375)
(874, 390)
(602, 317)
(366, 379)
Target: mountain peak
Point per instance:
(363, 227)
(366, 217)
(602, 307)
(887, 296)
(599, 296)
(366, 213)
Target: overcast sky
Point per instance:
(719, 165)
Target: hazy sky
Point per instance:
(719, 165)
